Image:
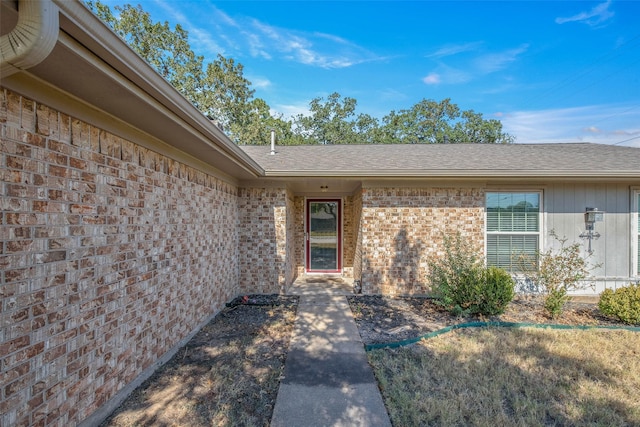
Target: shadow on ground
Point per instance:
(228, 374)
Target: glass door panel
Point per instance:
(323, 235)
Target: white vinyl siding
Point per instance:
(512, 227)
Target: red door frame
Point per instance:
(306, 234)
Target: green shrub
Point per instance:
(623, 303)
(498, 289)
(464, 286)
(555, 300)
(556, 273)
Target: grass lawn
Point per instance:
(513, 377)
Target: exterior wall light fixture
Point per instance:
(591, 216)
(324, 188)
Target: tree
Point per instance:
(473, 129)
(221, 92)
(258, 123)
(334, 121)
(432, 122)
(167, 51)
(218, 89)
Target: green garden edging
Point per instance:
(369, 347)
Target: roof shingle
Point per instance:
(449, 160)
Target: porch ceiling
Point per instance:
(310, 186)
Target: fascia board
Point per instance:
(453, 174)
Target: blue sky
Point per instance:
(551, 71)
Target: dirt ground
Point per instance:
(229, 373)
(388, 319)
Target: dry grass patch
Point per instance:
(513, 377)
(227, 375)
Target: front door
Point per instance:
(323, 235)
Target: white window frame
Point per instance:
(635, 232)
(538, 233)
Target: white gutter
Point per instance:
(32, 39)
(420, 173)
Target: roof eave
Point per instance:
(483, 174)
(170, 117)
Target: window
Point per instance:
(513, 228)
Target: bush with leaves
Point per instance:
(498, 289)
(623, 303)
(556, 273)
(464, 286)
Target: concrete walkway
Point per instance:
(327, 379)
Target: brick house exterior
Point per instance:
(128, 219)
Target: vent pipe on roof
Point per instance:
(33, 37)
(273, 142)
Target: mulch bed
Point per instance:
(383, 319)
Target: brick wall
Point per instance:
(109, 255)
(402, 227)
(299, 242)
(350, 233)
(291, 262)
(356, 215)
(266, 240)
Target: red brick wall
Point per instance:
(402, 227)
(110, 254)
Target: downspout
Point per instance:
(33, 37)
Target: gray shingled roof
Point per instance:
(449, 160)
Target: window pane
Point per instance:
(503, 250)
(518, 212)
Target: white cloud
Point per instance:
(260, 82)
(604, 124)
(493, 62)
(432, 79)
(596, 16)
(310, 48)
(201, 39)
(454, 49)
(468, 69)
(290, 110)
(444, 74)
(239, 35)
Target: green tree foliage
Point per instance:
(435, 122)
(220, 91)
(334, 121)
